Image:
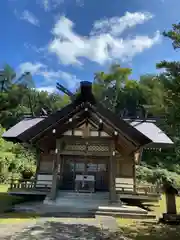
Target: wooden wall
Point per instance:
(46, 163)
(88, 130)
(125, 173)
(124, 166)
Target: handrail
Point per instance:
(139, 188)
(121, 187)
(28, 184)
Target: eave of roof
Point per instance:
(149, 129)
(22, 126)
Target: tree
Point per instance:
(153, 96)
(6, 76)
(120, 93)
(108, 87)
(174, 35)
(171, 81)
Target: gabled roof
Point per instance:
(29, 130)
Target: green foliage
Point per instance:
(115, 90)
(174, 35)
(156, 175)
(14, 158)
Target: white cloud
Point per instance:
(116, 25)
(49, 5)
(29, 17)
(104, 46)
(49, 75)
(52, 76)
(46, 5)
(34, 68)
(47, 89)
(80, 3)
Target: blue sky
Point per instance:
(69, 40)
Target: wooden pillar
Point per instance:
(171, 193)
(86, 134)
(38, 161)
(112, 174)
(136, 160)
(61, 162)
(134, 174)
(171, 204)
(55, 175)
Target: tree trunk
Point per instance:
(2, 86)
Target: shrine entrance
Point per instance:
(77, 166)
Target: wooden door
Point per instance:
(68, 175)
(99, 168)
(102, 177)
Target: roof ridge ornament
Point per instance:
(85, 95)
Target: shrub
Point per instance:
(156, 175)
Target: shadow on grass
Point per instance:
(7, 201)
(58, 230)
(151, 231)
(25, 216)
(139, 203)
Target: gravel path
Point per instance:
(61, 229)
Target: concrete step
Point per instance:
(75, 202)
(126, 215)
(83, 196)
(80, 197)
(64, 199)
(84, 193)
(94, 206)
(122, 209)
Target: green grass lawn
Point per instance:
(151, 230)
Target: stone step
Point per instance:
(88, 205)
(54, 211)
(75, 202)
(81, 200)
(126, 215)
(84, 195)
(122, 209)
(94, 206)
(65, 199)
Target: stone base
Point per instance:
(170, 218)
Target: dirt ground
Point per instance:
(62, 229)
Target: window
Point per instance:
(102, 167)
(80, 167)
(91, 167)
